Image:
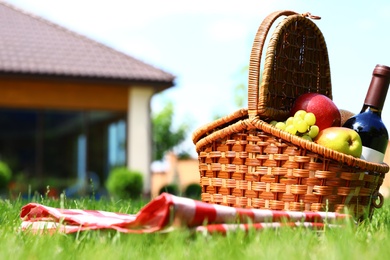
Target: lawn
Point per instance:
(370, 240)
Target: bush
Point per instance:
(171, 189)
(125, 184)
(5, 175)
(193, 191)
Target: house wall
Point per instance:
(385, 188)
(62, 94)
(83, 95)
(139, 145)
(180, 172)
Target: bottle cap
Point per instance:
(382, 70)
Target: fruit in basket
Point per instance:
(325, 110)
(313, 131)
(301, 124)
(280, 125)
(345, 115)
(341, 139)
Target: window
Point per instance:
(117, 143)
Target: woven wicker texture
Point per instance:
(246, 162)
(296, 62)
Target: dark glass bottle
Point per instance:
(368, 123)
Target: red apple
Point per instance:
(326, 112)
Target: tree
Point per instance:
(165, 137)
(241, 89)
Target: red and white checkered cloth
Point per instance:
(167, 212)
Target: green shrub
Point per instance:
(5, 175)
(124, 183)
(193, 191)
(171, 189)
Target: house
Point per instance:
(385, 188)
(71, 107)
(182, 172)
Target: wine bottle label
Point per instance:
(372, 155)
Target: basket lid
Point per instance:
(296, 62)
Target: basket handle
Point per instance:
(255, 57)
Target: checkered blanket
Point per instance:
(168, 212)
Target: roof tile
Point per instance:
(30, 44)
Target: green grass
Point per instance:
(370, 240)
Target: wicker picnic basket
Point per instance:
(245, 162)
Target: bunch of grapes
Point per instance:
(301, 124)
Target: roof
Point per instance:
(32, 45)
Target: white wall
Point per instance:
(139, 145)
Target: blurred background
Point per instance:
(206, 45)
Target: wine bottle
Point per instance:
(368, 123)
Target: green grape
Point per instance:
(290, 121)
(300, 125)
(300, 114)
(313, 131)
(310, 118)
(306, 137)
(291, 129)
(280, 125)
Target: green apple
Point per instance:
(341, 139)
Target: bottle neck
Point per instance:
(371, 109)
(378, 88)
